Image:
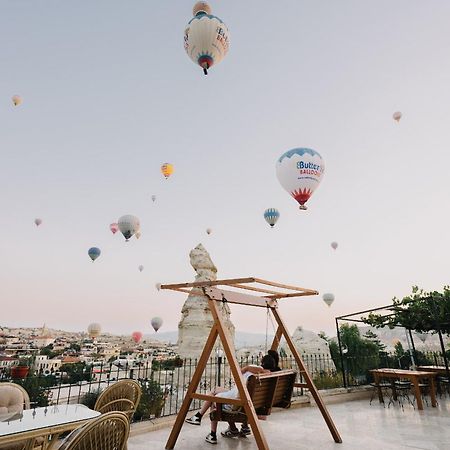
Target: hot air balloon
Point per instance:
(328, 298)
(158, 286)
(94, 330)
(37, 221)
(334, 245)
(208, 231)
(271, 215)
(300, 171)
(138, 234)
(114, 227)
(206, 37)
(137, 336)
(141, 268)
(156, 323)
(17, 100)
(397, 116)
(153, 198)
(94, 253)
(167, 170)
(128, 226)
(422, 337)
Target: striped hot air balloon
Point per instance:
(271, 215)
(167, 170)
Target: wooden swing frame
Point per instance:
(270, 292)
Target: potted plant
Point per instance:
(21, 369)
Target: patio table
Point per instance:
(414, 376)
(49, 423)
(440, 370)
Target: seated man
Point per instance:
(267, 363)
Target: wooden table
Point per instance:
(439, 370)
(48, 422)
(414, 376)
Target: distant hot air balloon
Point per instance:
(328, 298)
(94, 330)
(17, 100)
(167, 170)
(37, 221)
(158, 286)
(206, 37)
(153, 198)
(114, 227)
(141, 268)
(208, 231)
(300, 171)
(334, 245)
(137, 336)
(397, 116)
(128, 226)
(94, 253)
(156, 323)
(422, 337)
(138, 234)
(271, 215)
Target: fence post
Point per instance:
(341, 354)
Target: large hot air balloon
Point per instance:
(17, 100)
(114, 227)
(153, 198)
(94, 253)
(156, 323)
(37, 221)
(271, 215)
(397, 116)
(328, 298)
(128, 226)
(300, 171)
(206, 37)
(334, 245)
(167, 170)
(141, 268)
(94, 330)
(137, 336)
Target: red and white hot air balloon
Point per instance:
(300, 172)
(114, 227)
(137, 336)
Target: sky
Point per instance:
(110, 95)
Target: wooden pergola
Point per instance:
(268, 294)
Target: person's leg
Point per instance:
(212, 436)
(197, 418)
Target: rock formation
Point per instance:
(196, 320)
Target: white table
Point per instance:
(48, 422)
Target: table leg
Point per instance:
(417, 393)
(433, 392)
(394, 391)
(380, 393)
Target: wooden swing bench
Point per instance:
(266, 391)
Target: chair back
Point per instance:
(13, 398)
(124, 396)
(106, 432)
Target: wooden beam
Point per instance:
(235, 297)
(207, 283)
(253, 288)
(215, 399)
(293, 294)
(285, 286)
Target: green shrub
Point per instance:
(152, 401)
(89, 398)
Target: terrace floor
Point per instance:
(362, 426)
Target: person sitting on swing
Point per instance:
(267, 365)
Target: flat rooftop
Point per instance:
(362, 426)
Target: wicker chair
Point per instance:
(107, 432)
(124, 396)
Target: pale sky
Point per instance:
(109, 95)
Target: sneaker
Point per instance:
(229, 433)
(194, 420)
(212, 439)
(245, 430)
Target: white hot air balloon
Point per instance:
(37, 221)
(397, 116)
(128, 226)
(153, 198)
(328, 298)
(158, 286)
(94, 330)
(206, 37)
(300, 171)
(141, 268)
(208, 231)
(334, 245)
(17, 100)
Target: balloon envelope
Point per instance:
(271, 216)
(128, 225)
(137, 336)
(114, 227)
(37, 221)
(328, 298)
(141, 268)
(208, 231)
(422, 337)
(153, 198)
(206, 38)
(334, 245)
(156, 323)
(94, 253)
(17, 100)
(300, 171)
(397, 116)
(94, 329)
(167, 170)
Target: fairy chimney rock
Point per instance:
(196, 319)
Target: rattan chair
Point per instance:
(124, 396)
(107, 432)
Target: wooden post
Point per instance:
(309, 382)
(192, 387)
